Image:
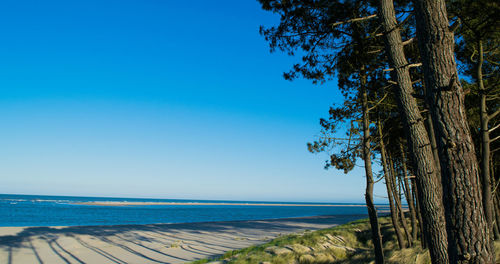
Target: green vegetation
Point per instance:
(176, 244)
(348, 243)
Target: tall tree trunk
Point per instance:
(390, 188)
(397, 199)
(372, 212)
(468, 234)
(427, 175)
(408, 193)
(485, 141)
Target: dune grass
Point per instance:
(354, 235)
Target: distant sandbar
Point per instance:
(115, 203)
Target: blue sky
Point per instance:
(164, 99)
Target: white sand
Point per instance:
(158, 243)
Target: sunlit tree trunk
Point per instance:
(467, 229)
(427, 175)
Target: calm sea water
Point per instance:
(31, 210)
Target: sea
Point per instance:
(41, 210)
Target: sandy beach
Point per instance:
(156, 243)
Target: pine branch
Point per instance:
(409, 65)
(493, 128)
(494, 114)
(406, 42)
(455, 25)
(491, 140)
(380, 101)
(353, 20)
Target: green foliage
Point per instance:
(350, 53)
(306, 26)
(478, 20)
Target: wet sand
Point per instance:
(156, 243)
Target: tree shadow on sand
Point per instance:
(213, 238)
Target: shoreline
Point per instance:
(116, 203)
(153, 243)
(14, 230)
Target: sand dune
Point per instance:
(156, 243)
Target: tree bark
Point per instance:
(468, 234)
(432, 137)
(427, 175)
(497, 213)
(408, 193)
(496, 205)
(496, 232)
(372, 212)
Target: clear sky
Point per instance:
(158, 98)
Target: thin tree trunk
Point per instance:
(485, 142)
(408, 193)
(394, 211)
(397, 199)
(408, 233)
(427, 175)
(390, 188)
(468, 233)
(372, 212)
(407, 230)
(423, 241)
